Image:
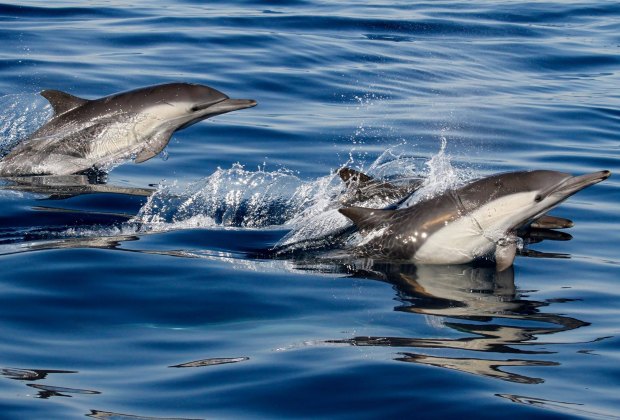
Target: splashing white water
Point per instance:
(238, 197)
(21, 115)
(439, 176)
(242, 198)
(233, 197)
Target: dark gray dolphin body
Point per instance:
(473, 221)
(138, 124)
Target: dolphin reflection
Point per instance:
(44, 391)
(482, 304)
(58, 187)
(498, 327)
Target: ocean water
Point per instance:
(128, 303)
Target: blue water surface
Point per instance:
(117, 306)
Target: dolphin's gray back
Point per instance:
(121, 106)
(478, 192)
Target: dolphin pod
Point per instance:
(85, 134)
(484, 217)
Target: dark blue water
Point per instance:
(118, 306)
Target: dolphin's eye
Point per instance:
(538, 198)
(200, 107)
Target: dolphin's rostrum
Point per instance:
(137, 124)
(463, 224)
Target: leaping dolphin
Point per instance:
(467, 223)
(137, 124)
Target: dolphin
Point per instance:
(464, 224)
(362, 187)
(138, 124)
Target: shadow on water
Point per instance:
(502, 327)
(48, 391)
(97, 414)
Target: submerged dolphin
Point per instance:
(469, 222)
(138, 124)
(361, 187)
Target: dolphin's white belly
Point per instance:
(122, 139)
(474, 235)
(458, 242)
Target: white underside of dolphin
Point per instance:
(478, 233)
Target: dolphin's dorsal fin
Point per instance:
(365, 218)
(349, 175)
(62, 101)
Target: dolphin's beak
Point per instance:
(574, 184)
(228, 105)
(235, 104)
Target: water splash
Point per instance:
(234, 197)
(440, 175)
(261, 199)
(21, 115)
(241, 198)
(362, 107)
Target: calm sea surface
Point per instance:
(119, 306)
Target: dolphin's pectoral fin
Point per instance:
(365, 218)
(61, 101)
(505, 252)
(145, 155)
(538, 254)
(154, 146)
(551, 222)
